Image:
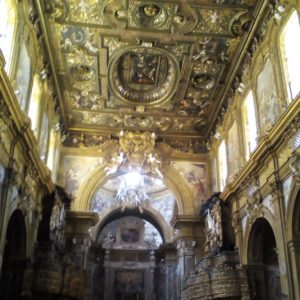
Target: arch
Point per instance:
(263, 263)
(260, 230)
(184, 197)
(15, 204)
(293, 235)
(265, 214)
(14, 257)
(149, 214)
(293, 212)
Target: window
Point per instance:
(51, 151)
(44, 134)
(249, 124)
(214, 175)
(33, 112)
(7, 28)
(290, 49)
(23, 77)
(222, 158)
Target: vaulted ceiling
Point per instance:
(161, 66)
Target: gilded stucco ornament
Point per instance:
(85, 99)
(82, 72)
(147, 122)
(149, 15)
(241, 23)
(141, 75)
(58, 9)
(112, 57)
(295, 164)
(135, 152)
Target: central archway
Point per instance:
(185, 200)
(149, 215)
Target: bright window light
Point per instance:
(133, 179)
(44, 136)
(7, 27)
(290, 49)
(222, 158)
(249, 124)
(51, 151)
(34, 104)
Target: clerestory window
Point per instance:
(290, 49)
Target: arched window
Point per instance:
(249, 124)
(214, 172)
(222, 162)
(44, 137)
(34, 105)
(7, 28)
(51, 151)
(290, 49)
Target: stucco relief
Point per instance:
(267, 97)
(286, 188)
(267, 202)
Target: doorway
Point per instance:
(263, 267)
(14, 258)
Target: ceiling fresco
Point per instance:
(158, 66)
(142, 191)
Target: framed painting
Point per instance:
(23, 76)
(195, 175)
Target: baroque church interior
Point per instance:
(150, 150)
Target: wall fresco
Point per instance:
(267, 97)
(75, 170)
(23, 76)
(159, 197)
(233, 150)
(195, 176)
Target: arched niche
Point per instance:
(148, 214)
(14, 257)
(263, 265)
(185, 200)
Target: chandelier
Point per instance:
(132, 192)
(134, 156)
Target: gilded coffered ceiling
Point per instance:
(161, 66)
